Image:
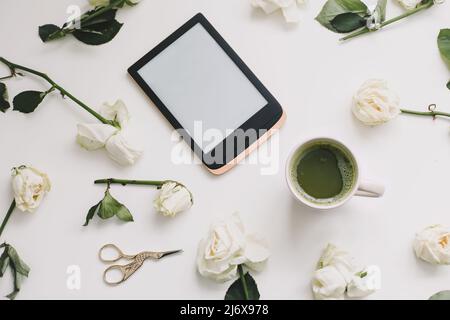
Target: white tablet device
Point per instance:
(199, 83)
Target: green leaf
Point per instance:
(348, 22)
(19, 266)
(444, 44)
(110, 207)
(50, 32)
(4, 99)
(443, 295)
(333, 8)
(124, 214)
(92, 211)
(4, 261)
(98, 34)
(448, 85)
(236, 290)
(28, 101)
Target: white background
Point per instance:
(313, 77)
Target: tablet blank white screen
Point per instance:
(197, 81)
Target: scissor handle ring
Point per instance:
(120, 268)
(119, 252)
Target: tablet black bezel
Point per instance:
(262, 121)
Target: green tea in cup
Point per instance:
(323, 172)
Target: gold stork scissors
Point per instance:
(128, 270)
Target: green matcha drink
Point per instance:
(325, 173)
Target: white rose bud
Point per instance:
(409, 4)
(29, 186)
(337, 274)
(173, 199)
(289, 8)
(94, 136)
(375, 103)
(340, 259)
(121, 150)
(328, 284)
(364, 283)
(227, 246)
(433, 245)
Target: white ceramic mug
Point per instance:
(360, 187)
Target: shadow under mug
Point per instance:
(360, 187)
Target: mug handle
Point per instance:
(371, 189)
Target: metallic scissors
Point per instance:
(128, 270)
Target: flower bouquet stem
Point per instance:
(8, 215)
(431, 113)
(390, 21)
(54, 86)
(125, 182)
(243, 282)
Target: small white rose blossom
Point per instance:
(226, 247)
(364, 283)
(433, 245)
(409, 4)
(94, 136)
(29, 186)
(328, 284)
(121, 150)
(337, 273)
(289, 8)
(173, 199)
(375, 103)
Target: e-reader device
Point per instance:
(207, 92)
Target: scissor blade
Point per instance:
(168, 253)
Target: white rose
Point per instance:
(337, 273)
(289, 8)
(328, 284)
(173, 199)
(409, 4)
(99, 3)
(375, 103)
(363, 283)
(227, 246)
(29, 186)
(433, 244)
(340, 259)
(121, 150)
(96, 136)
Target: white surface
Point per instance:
(197, 81)
(313, 77)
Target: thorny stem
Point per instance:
(388, 22)
(124, 182)
(64, 92)
(243, 282)
(8, 215)
(430, 113)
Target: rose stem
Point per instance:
(244, 284)
(8, 215)
(430, 113)
(388, 22)
(63, 92)
(124, 182)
